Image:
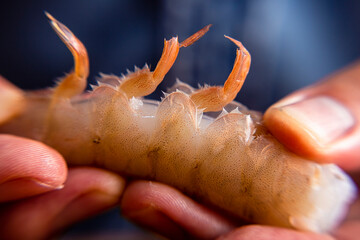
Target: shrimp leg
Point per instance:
(75, 82)
(215, 98)
(142, 82)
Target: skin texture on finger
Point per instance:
(167, 211)
(350, 228)
(321, 122)
(259, 232)
(86, 192)
(28, 168)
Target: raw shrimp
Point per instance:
(231, 161)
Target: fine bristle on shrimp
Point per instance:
(229, 161)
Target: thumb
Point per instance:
(321, 122)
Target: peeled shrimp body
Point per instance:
(231, 162)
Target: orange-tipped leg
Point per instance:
(196, 36)
(215, 98)
(142, 82)
(75, 82)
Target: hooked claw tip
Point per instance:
(52, 20)
(196, 36)
(54, 23)
(49, 16)
(61, 30)
(237, 43)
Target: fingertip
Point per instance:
(87, 191)
(161, 207)
(322, 121)
(318, 127)
(288, 132)
(28, 168)
(138, 205)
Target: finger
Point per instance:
(28, 167)
(321, 122)
(87, 191)
(348, 231)
(350, 228)
(270, 233)
(170, 213)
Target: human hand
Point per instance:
(167, 211)
(154, 205)
(38, 194)
(320, 122)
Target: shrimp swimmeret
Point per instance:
(231, 161)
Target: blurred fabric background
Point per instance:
(292, 43)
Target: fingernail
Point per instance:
(35, 182)
(24, 187)
(324, 118)
(47, 184)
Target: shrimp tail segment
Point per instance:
(215, 98)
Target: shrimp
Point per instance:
(230, 161)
